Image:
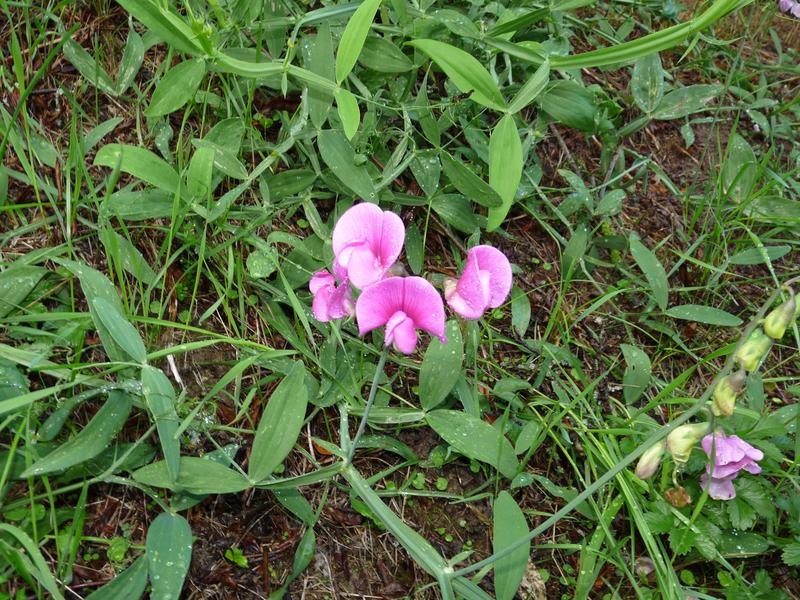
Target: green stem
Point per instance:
(370, 400)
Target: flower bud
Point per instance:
(649, 461)
(750, 354)
(779, 319)
(726, 392)
(682, 439)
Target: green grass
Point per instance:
(165, 198)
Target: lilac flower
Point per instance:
(791, 7)
(403, 305)
(731, 455)
(330, 301)
(485, 283)
(366, 242)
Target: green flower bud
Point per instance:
(682, 439)
(779, 319)
(726, 392)
(649, 461)
(750, 354)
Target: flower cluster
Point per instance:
(367, 242)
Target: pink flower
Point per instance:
(330, 301)
(790, 6)
(403, 304)
(485, 283)
(366, 242)
(731, 455)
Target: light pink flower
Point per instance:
(484, 284)
(403, 304)
(366, 242)
(790, 6)
(731, 455)
(330, 301)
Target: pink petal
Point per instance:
(319, 280)
(330, 302)
(393, 235)
(424, 305)
(363, 267)
(400, 330)
(496, 264)
(378, 303)
(719, 489)
(472, 292)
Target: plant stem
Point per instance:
(370, 400)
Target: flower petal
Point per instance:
(424, 305)
(378, 303)
(400, 331)
(472, 292)
(319, 280)
(719, 489)
(363, 267)
(495, 262)
(360, 223)
(393, 235)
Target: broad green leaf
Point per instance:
(532, 88)
(196, 476)
(505, 167)
(139, 205)
(414, 248)
(647, 82)
(427, 170)
(653, 271)
(126, 254)
(740, 169)
(199, 174)
(574, 250)
(177, 87)
(474, 438)
(169, 553)
(610, 204)
(40, 570)
(128, 585)
(468, 183)
(637, 373)
(131, 62)
(13, 383)
(140, 163)
(520, 311)
(570, 103)
(355, 33)
(165, 24)
(338, 154)
(89, 441)
(383, 56)
(466, 72)
(441, 367)
(290, 182)
(704, 314)
(224, 159)
(347, 106)
(427, 122)
(122, 332)
(457, 213)
(527, 437)
(159, 396)
(685, 101)
(510, 525)
(280, 424)
(319, 60)
(88, 67)
(16, 284)
(755, 256)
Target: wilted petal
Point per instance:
(719, 488)
(330, 302)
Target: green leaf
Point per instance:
(740, 170)
(468, 183)
(165, 24)
(16, 284)
(466, 72)
(280, 424)
(610, 204)
(347, 106)
(131, 62)
(703, 314)
(319, 60)
(355, 33)
(532, 88)
(338, 154)
(652, 269)
(160, 399)
(756, 256)
(383, 56)
(685, 101)
(637, 373)
(570, 103)
(510, 525)
(169, 553)
(140, 163)
(505, 167)
(89, 441)
(88, 67)
(520, 311)
(200, 172)
(474, 438)
(791, 554)
(196, 476)
(441, 367)
(647, 82)
(40, 568)
(290, 182)
(128, 585)
(177, 87)
(574, 250)
(123, 333)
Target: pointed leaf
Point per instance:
(128, 585)
(347, 106)
(140, 163)
(177, 87)
(338, 154)
(355, 32)
(653, 271)
(441, 367)
(509, 526)
(169, 552)
(160, 398)
(505, 167)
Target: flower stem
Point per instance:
(370, 400)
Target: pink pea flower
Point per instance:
(731, 455)
(484, 284)
(403, 304)
(791, 7)
(330, 301)
(367, 242)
